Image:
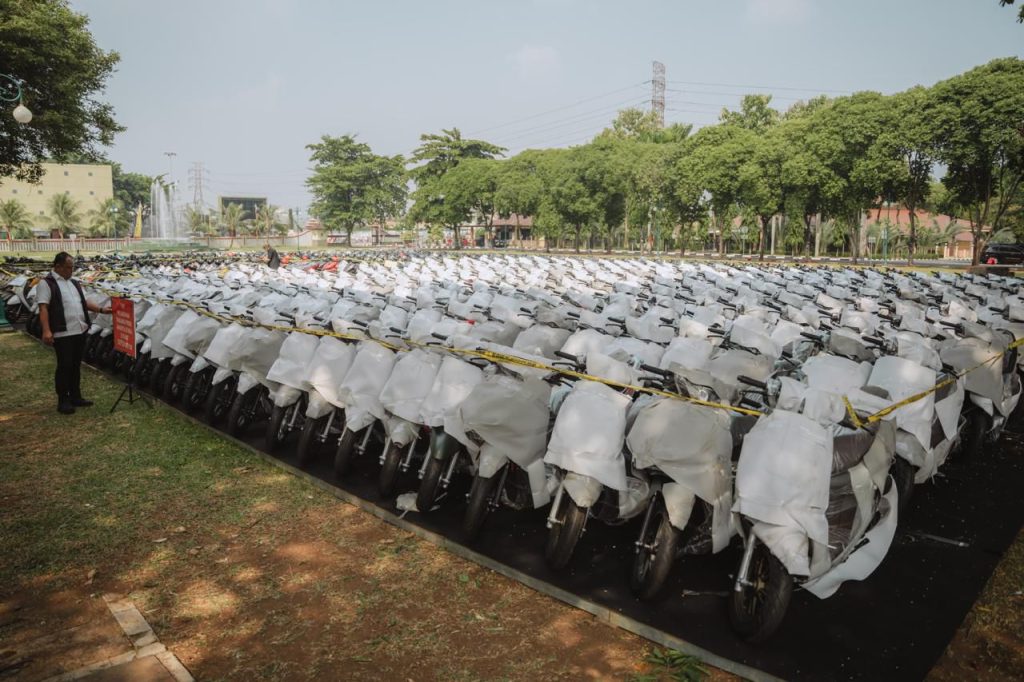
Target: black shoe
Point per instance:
(81, 402)
(66, 408)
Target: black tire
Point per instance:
(196, 390)
(903, 473)
(174, 384)
(756, 612)
(89, 350)
(140, 370)
(158, 375)
(652, 567)
(35, 326)
(345, 453)
(973, 438)
(480, 495)
(105, 354)
(118, 364)
(308, 442)
(430, 486)
(219, 400)
(240, 415)
(562, 537)
(277, 429)
(387, 481)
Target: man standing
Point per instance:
(273, 260)
(63, 312)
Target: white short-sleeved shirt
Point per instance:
(74, 316)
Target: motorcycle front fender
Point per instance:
(247, 382)
(490, 463)
(443, 446)
(316, 406)
(147, 345)
(220, 375)
(679, 502)
(285, 396)
(199, 364)
(584, 490)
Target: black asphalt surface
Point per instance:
(892, 626)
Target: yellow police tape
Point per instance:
(495, 357)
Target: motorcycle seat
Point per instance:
(849, 448)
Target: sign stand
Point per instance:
(123, 311)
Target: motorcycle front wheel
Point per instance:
(903, 478)
(218, 401)
(973, 439)
(346, 452)
(430, 486)
(481, 493)
(659, 548)
(757, 610)
(243, 409)
(308, 441)
(565, 533)
(388, 478)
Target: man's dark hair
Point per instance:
(60, 258)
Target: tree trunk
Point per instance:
(457, 237)
(348, 237)
(765, 219)
(808, 234)
(519, 239)
(579, 228)
(912, 244)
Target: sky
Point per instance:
(242, 86)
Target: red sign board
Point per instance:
(123, 310)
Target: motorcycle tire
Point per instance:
(89, 350)
(973, 438)
(481, 493)
(756, 611)
(219, 400)
(430, 486)
(652, 565)
(308, 441)
(174, 384)
(196, 390)
(345, 452)
(240, 416)
(158, 375)
(105, 352)
(119, 362)
(35, 326)
(279, 426)
(902, 473)
(387, 481)
(140, 370)
(563, 536)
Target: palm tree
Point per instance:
(103, 218)
(266, 220)
(15, 219)
(231, 219)
(64, 213)
(198, 222)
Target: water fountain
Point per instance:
(163, 223)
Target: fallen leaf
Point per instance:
(160, 540)
(179, 529)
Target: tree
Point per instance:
(48, 46)
(389, 190)
(63, 213)
(103, 219)
(131, 189)
(1020, 15)
(979, 135)
(761, 188)
(351, 185)
(755, 114)
(15, 219)
(436, 156)
(470, 188)
(903, 156)
(520, 188)
(266, 222)
(231, 218)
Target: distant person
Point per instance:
(273, 259)
(64, 315)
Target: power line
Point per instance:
(562, 108)
(763, 87)
(730, 94)
(596, 113)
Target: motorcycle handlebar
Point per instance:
(568, 356)
(749, 381)
(656, 370)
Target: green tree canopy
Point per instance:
(15, 219)
(48, 46)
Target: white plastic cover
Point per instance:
(328, 367)
(454, 381)
(783, 480)
(511, 415)
(411, 380)
(693, 446)
(290, 367)
(589, 433)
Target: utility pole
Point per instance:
(197, 177)
(658, 93)
(170, 160)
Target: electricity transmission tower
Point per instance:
(197, 177)
(658, 93)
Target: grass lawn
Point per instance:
(246, 572)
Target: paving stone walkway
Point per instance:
(68, 636)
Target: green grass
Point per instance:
(110, 480)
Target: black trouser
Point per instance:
(67, 379)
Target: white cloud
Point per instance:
(534, 62)
(778, 11)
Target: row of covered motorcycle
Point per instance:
(791, 410)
